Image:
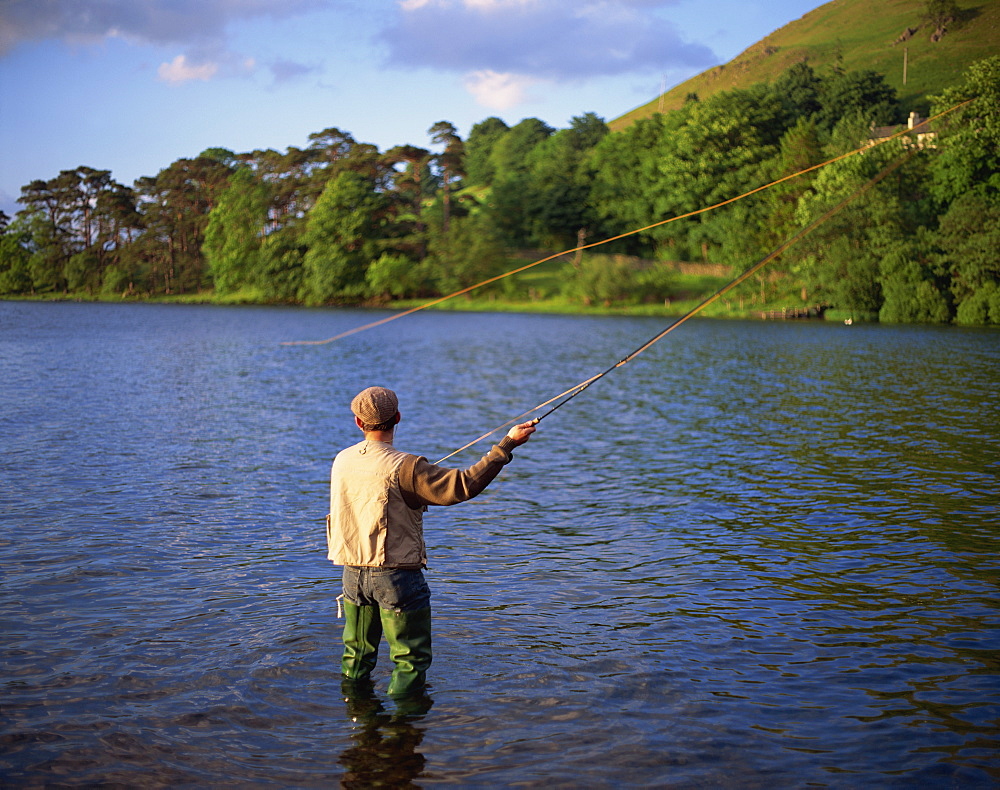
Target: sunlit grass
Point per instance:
(544, 289)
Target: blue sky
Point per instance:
(133, 85)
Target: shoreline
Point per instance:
(675, 309)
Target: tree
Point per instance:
(862, 92)
(601, 279)
(910, 288)
(799, 150)
(223, 156)
(119, 217)
(234, 234)
(392, 275)
(861, 253)
(342, 235)
(798, 90)
(50, 206)
(982, 307)
(713, 155)
(480, 168)
(414, 182)
(15, 256)
(175, 206)
(469, 252)
(287, 179)
(969, 138)
(940, 13)
(281, 268)
(512, 182)
(560, 179)
(449, 162)
(510, 153)
(587, 130)
(77, 219)
(327, 152)
(968, 238)
(626, 184)
(411, 187)
(331, 145)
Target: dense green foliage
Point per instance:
(341, 223)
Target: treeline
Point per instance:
(339, 222)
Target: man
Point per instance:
(375, 530)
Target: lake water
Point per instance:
(760, 555)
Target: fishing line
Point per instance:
(572, 392)
(439, 300)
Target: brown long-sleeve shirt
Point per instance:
(423, 483)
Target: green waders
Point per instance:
(409, 637)
(362, 632)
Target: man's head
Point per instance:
(376, 408)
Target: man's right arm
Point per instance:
(424, 483)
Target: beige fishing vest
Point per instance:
(370, 524)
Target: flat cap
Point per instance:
(375, 405)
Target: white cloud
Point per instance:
(180, 70)
(503, 47)
(146, 21)
(496, 5)
(479, 5)
(566, 41)
(497, 91)
(285, 70)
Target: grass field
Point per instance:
(540, 290)
(855, 35)
(543, 290)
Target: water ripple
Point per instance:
(760, 555)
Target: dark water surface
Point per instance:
(760, 555)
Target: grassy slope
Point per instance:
(862, 34)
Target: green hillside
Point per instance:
(857, 35)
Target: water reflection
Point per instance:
(384, 745)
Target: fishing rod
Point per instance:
(572, 392)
